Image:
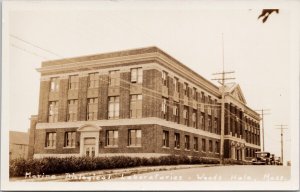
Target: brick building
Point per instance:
(139, 102)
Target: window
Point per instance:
(187, 142)
(112, 138)
(217, 150)
(54, 84)
(136, 75)
(113, 108)
(136, 106)
(70, 139)
(53, 111)
(165, 139)
(202, 97)
(203, 145)
(164, 78)
(72, 110)
(210, 147)
(216, 125)
(194, 118)
(186, 115)
(202, 121)
(176, 112)
(92, 109)
(216, 108)
(51, 140)
(196, 143)
(134, 137)
(164, 108)
(176, 84)
(209, 123)
(73, 82)
(194, 93)
(177, 141)
(209, 100)
(114, 78)
(93, 81)
(185, 89)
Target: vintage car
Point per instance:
(261, 158)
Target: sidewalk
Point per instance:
(101, 175)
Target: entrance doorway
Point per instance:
(89, 146)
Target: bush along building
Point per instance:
(139, 102)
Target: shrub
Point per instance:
(55, 165)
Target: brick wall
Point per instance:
(82, 98)
(63, 100)
(152, 98)
(103, 97)
(151, 141)
(181, 106)
(40, 141)
(124, 95)
(43, 101)
(171, 93)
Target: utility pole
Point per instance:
(222, 80)
(281, 140)
(262, 126)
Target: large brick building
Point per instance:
(140, 102)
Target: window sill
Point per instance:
(113, 118)
(137, 146)
(49, 147)
(69, 147)
(112, 146)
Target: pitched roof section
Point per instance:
(235, 91)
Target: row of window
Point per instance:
(186, 116)
(187, 142)
(92, 108)
(134, 140)
(135, 111)
(185, 88)
(93, 79)
(114, 80)
(111, 138)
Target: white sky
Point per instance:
(190, 32)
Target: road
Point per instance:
(218, 173)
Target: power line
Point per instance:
(34, 45)
(27, 51)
